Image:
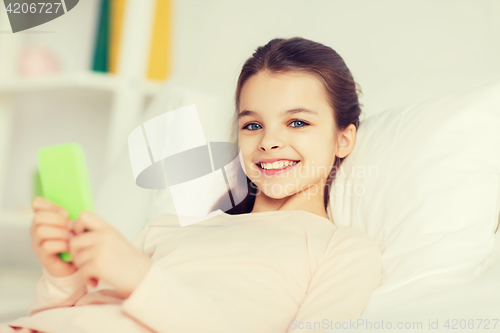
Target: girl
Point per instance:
(274, 263)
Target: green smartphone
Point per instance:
(65, 180)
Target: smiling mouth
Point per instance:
(283, 168)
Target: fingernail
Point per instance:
(64, 213)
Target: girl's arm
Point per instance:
(53, 292)
(341, 286)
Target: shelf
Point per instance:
(80, 80)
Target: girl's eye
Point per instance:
(245, 127)
(300, 122)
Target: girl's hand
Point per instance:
(50, 233)
(103, 253)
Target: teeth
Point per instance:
(277, 165)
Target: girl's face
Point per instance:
(285, 118)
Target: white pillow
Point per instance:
(424, 181)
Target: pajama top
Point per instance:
(275, 271)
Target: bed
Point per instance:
(433, 205)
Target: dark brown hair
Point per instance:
(297, 54)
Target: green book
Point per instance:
(101, 50)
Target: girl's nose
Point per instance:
(263, 148)
(271, 140)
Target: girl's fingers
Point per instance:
(83, 261)
(88, 221)
(81, 242)
(93, 282)
(43, 233)
(48, 219)
(40, 203)
(82, 258)
(52, 246)
(51, 218)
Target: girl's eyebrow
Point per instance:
(292, 111)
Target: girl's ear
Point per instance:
(346, 140)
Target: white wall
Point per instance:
(400, 51)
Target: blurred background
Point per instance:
(91, 75)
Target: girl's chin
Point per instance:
(277, 197)
(273, 191)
